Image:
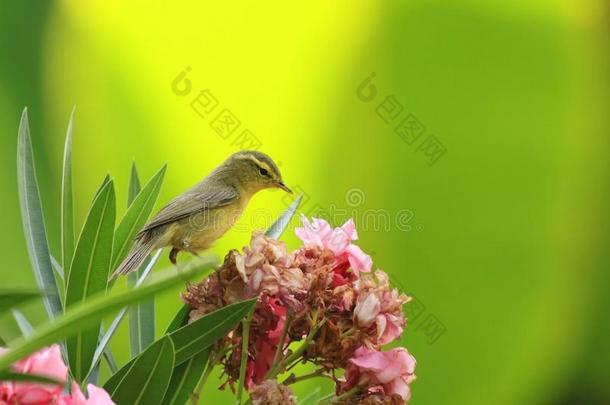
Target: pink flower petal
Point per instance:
(367, 310)
(34, 395)
(374, 361)
(350, 229)
(98, 396)
(396, 365)
(400, 387)
(317, 233)
(358, 260)
(381, 325)
(49, 363)
(337, 242)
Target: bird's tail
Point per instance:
(136, 256)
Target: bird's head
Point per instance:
(254, 171)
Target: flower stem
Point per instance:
(293, 379)
(279, 366)
(245, 337)
(332, 398)
(194, 396)
(279, 351)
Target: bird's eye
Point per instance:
(263, 172)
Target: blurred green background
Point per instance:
(503, 240)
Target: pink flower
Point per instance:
(337, 240)
(391, 371)
(367, 309)
(389, 327)
(378, 304)
(47, 362)
(265, 268)
(97, 396)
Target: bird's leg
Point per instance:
(172, 256)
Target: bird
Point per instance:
(195, 219)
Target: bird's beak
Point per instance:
(284, 187)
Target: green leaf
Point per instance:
(9, 376)
(134, 184)
(185, 378)
(136, 216)
(197, 336)
(13, 297)
(103, 343)
(91, 312)
(135, 341)
(101, 187)
(59, 270)
(192, 339)
(33, 221)
(280, 224)
(141, 326)
(22, 322)
(141, 203)
(146, 381)
(311, 398)
(180, 319)
(110, 362)
(67, 209)
(89, 275)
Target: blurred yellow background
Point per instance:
(469, 140)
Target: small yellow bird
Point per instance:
(196, 218)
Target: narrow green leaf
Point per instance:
(13, 377)
(105, 181)
(59, 270)
(103, 343)
(141, 316)
(17, 296)
(148, 377)
(280, 224)
(142, 326)
(192, 339)
(134, 184)
(33, 221)
(136, 216)
(180, 319)
(311, 398)
(22, 322)
(93, 375)
(185, 378)
(67, 209)
(136, 340)
(60, 280)
(89, 275)
(196, 336)
(110, 361)
(245, 340)
(91, 312)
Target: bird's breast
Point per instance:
(200, 231)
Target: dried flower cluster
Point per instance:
(325, 299)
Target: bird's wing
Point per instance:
(190, 203)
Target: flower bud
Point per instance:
(367, 310)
